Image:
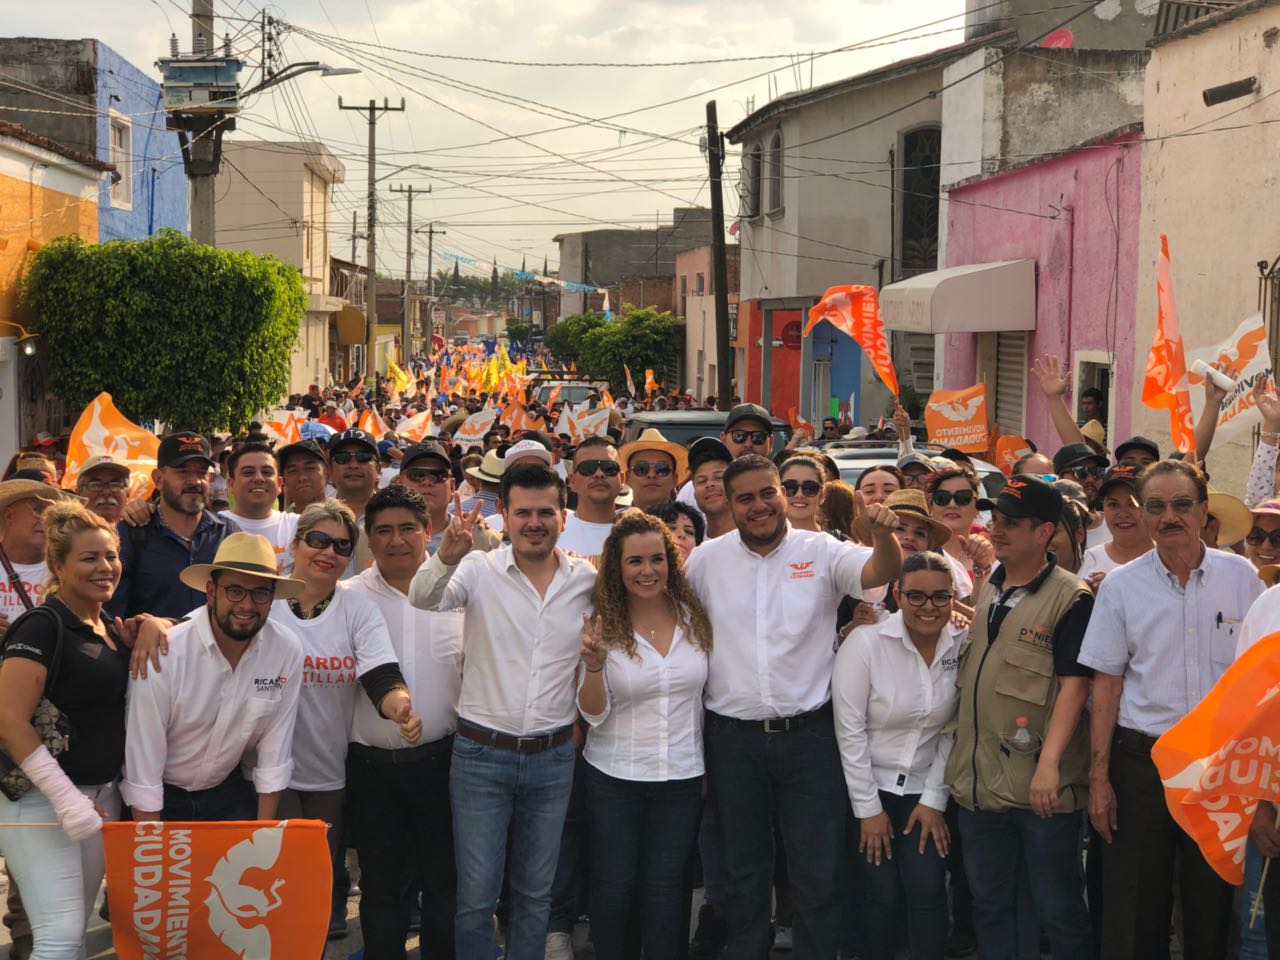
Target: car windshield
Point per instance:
(569, 393)
(852, 468)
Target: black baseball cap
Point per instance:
(1027, 496)
(423, 450)
(1125, 473)
(1138, 443)
(309, 447)
(748, 411)
(956, 456)
(362, 437)
(1073, 453)
(705, 450)
(177, 448)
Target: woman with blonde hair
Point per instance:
(64, 657)
(644, 665)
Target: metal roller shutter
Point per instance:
(1011, 380)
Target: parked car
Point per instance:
(685, 426)
(575, 392)
(855, 456)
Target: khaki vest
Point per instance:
(1011, 676)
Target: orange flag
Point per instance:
(606, 399)
(1009, 450)
(631, 384)
(1219, 760)
(371, 422)
(473, 429)
(417, 427)
(1166, 386)
(555, 392)
(855, 311)
(218, 891)
(958, 418)
(104, 430)
(284, 426)
(650, 384)
(797, 421)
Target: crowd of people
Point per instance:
(545, 677)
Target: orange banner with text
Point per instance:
(958, 418)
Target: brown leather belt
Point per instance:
(507, 741)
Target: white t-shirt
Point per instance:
(1098, 536)
(582, 537)
(33, 577)
(1096, 559)
(347, 640)
(386, 476)
(279, 529)
(961, 579)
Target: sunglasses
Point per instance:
(1181, 505)
(642, 468)
(422, 474)
(610, 468)
(1257, 536)
(963, 498)
(1086, 473)
(343, 457)
(318, 540)
(917, 598)
(757, 437)
(810, 488)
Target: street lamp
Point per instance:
(26, 340)
(294, 70)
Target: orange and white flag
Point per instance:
(473, 429)
(855, 311)
(418, 427)
(650, 384)
(1166, 386)
(1008, 451)
(1219, 760)
(372, 423)
(606, 399)
(284, 426)
(218, 891)
(592, 423)
(958, 418)
(104, 430)
(631, 384)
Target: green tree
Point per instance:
(638, 338)
(565, 338)
(518, 331)
(196, 337)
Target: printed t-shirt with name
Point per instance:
(428, 645)
(348, 639)
(279, 529)
(582, 538)
(33, 577)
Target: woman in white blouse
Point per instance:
(644, 664)
(894, 689)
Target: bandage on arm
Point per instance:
(75, 811)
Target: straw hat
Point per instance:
(490, 469)
(244, 553)
(11, 491)
(652, 439)
(1233, 516)
(909, 504)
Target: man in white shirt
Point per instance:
(426, 469)
(597, 480)
(512, 762)
(772, 593)
(253, 478)
(398, 793)
(22, 505)
(226, 700)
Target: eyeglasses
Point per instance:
(261, 596)
(319, 540)
(810, 488)
(1257, 536)
(917, 598)
(917, 481)
(344, 457)
(1086, 473)
(756, 437)
(610, 468)
(97, 486)
(962, 498)
(422, 474)
(642, 468)
(1181, 505)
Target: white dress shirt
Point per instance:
(1262, 619)
(428, 646)
(192, 723)
(651, 725)
(890, 709)
(520, 650)
(774, 619)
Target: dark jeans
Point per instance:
(403, 829)
(1271, 904)
(995, 842)
(568, 889)
(233, 799)
(795, 777)
(924, 886)
(1148, 854)
(326, 805)
(642, 834)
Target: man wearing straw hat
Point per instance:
(230, 686)
(22, 504)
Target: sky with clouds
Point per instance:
(520, 153)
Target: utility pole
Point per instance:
(719, 269)
(203, 225)
(406, 332)
(371, 293)
(431, 232)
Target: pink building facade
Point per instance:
(1076, 215)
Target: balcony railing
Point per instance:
(1176, 14)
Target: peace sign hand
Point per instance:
(456, 542)
(594, 652)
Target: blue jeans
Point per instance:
(1253, 940)
(571, 867)
(642, 835)
(994, 844)
(494, 791)
(233, 799)
(922, 877)
(796, 778)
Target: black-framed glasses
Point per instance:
(1083, 472)
(1181, 505)
(642, 468)
(319, 540)
(918, 598)
(1257, 536)
(757, 437)
(962, 498)
(97, 486)
(810, 488)
(422, 474)
(343, 457)
(610, 468)
(261, 596)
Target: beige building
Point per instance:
(1209, 183)
(276, 198)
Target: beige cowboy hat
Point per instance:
(489, 470)
(652, 439)
(244, 553)
(908, 504)
(11, 491)
(1233, 516)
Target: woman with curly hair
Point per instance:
(644, 664)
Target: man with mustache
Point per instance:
(104, 484)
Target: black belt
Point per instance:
(382, 757)
(536, 743)
(1133, 740)
(778, 724)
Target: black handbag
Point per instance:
(53, 728)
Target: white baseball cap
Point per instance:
(526, 449)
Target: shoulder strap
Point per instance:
(15, 581)
(55, 661)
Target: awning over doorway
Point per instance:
(976, 298)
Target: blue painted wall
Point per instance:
(159, 184)
(846, 368)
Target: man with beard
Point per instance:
(254, 482)
(512, 767)
(597, 480)
(181, 532)
(304, 470)
(228, 691)
(772, 593)
(104, 484)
